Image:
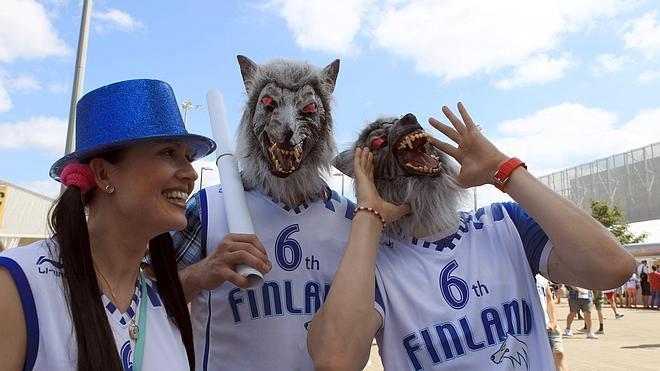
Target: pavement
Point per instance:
(629, 343)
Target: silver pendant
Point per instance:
(133, 331)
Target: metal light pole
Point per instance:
(342, 181)
(187, 105)
(201, 176)
(78, 77)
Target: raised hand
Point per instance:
(478, 157)
(367, 194)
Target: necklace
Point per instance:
(133, 328)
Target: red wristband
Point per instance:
(502, 175)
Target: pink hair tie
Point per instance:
(78, 175)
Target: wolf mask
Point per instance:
(285, 137)
(408, 169)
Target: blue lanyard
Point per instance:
(142, 325)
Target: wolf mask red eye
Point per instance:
(267, 101)
(377, 143)
(310, 108)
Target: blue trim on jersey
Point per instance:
(533, 237)
(297, 210)
(153, 297)
(29, 310)
(379, 298)
(350, 209)
(350, 205)
(329, 205)
(446, 242)
(204, 217)
(205, 364)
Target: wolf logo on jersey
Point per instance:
(514, 350)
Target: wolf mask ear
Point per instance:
(344, 162)
(248, 70)
(329, 74)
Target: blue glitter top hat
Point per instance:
(128, 112)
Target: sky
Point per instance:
(555, 83)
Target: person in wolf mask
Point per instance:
(285, 144)
(452, 289)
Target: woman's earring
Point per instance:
(110, 188)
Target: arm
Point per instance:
(585, 253)
(550, 305)
(13, 342)
(343, 329)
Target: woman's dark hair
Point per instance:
(96, 345)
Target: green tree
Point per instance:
(612, 217)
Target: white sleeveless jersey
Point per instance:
(266, 328)
(467, 301)
(51, 338)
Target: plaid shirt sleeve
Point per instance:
(188, 242)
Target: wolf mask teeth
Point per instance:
(286, 161)
(415, 154)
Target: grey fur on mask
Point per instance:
(295, 81)
(434, 200)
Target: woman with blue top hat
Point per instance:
(79, 300)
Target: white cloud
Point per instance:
(453, 38)
(644, 34)
(649, 76)
(5, 100)
(329, 26)
(608, 63)
(460, 38)
(115, 19)
(49, 188)
(42, 132)
(538, 69)
(25, 83)
(26, 32)
(555, 137)
(59, 88)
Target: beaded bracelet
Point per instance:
(371, 210)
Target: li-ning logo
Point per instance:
(513, 349)
(46, 266)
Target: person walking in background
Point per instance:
(579, 299)
(631, 291)
(611, 298)
(554, 334)
(559, 292)
(654, 280)
(598, 303)
(79, 300)
(643, 274)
